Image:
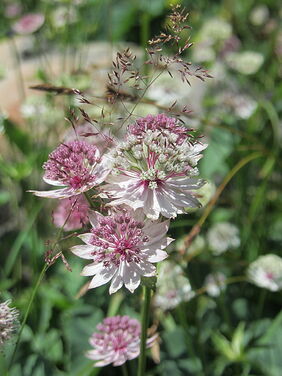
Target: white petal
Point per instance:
(92, 269)
(155, 231)
(94, 218)
(102, 278)
(131, 277)
(53, 182)
(116, 284)
(86, 238)
(57, 193)
(83, 251)
(157, 256)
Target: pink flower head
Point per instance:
(72, 213)
(155, 168)
(123, 247)
(29, 23)
(160, 123)
(117, 340)
(76, 166)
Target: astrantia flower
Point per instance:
(29, 23)
(76, 166)
(155, 168)
(223, 236)
(72, 213)
(266, 272)
(123, 247)
(8, 321)
(215, 283)
(172, 286)
(247, 62)
(117, 340)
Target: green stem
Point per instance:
(27, 311)
(124, 370)
(88, 198)
(144, 323)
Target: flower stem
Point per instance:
(144, 323)
(88, 198)
(124, 370)
(45, 267)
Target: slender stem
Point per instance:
(144, 323)
(124, 370)
(261, 302)
(27, 311)
(88, 198)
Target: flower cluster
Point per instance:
(155, 168)
(117, 340)
(172, 287)
(266, 272)
(76, 166)
(223, 236)
(8, 322)
(123, 247)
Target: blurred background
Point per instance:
(218, 300)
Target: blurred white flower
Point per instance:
(172, 286)
(215, 30)
(259, 15)
(223, 236)
(266, 272)
(248, 62)
(215, 283)
(37, 108)
(8, 321)
(242, 105)
(203, 52)
(206, 192)
(64, 15)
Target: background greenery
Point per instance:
(236, 333)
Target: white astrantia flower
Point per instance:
(215, 30)
(172, 286)
(223, 236)
(123, 247)
(155, 168)
(266, 272)
(215, 283)
(247, 62)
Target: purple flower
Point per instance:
(155, 168)
(117, 340)
(29, 23)
(123, 247)
(72, 213)
(76, 166)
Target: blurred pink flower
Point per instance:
(117, 340)
(155, 168)
(123, 247)
(29, 23)
(12, 10)
(72, 213)
(76, 166)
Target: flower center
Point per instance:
(72, 164)
(118, 239)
